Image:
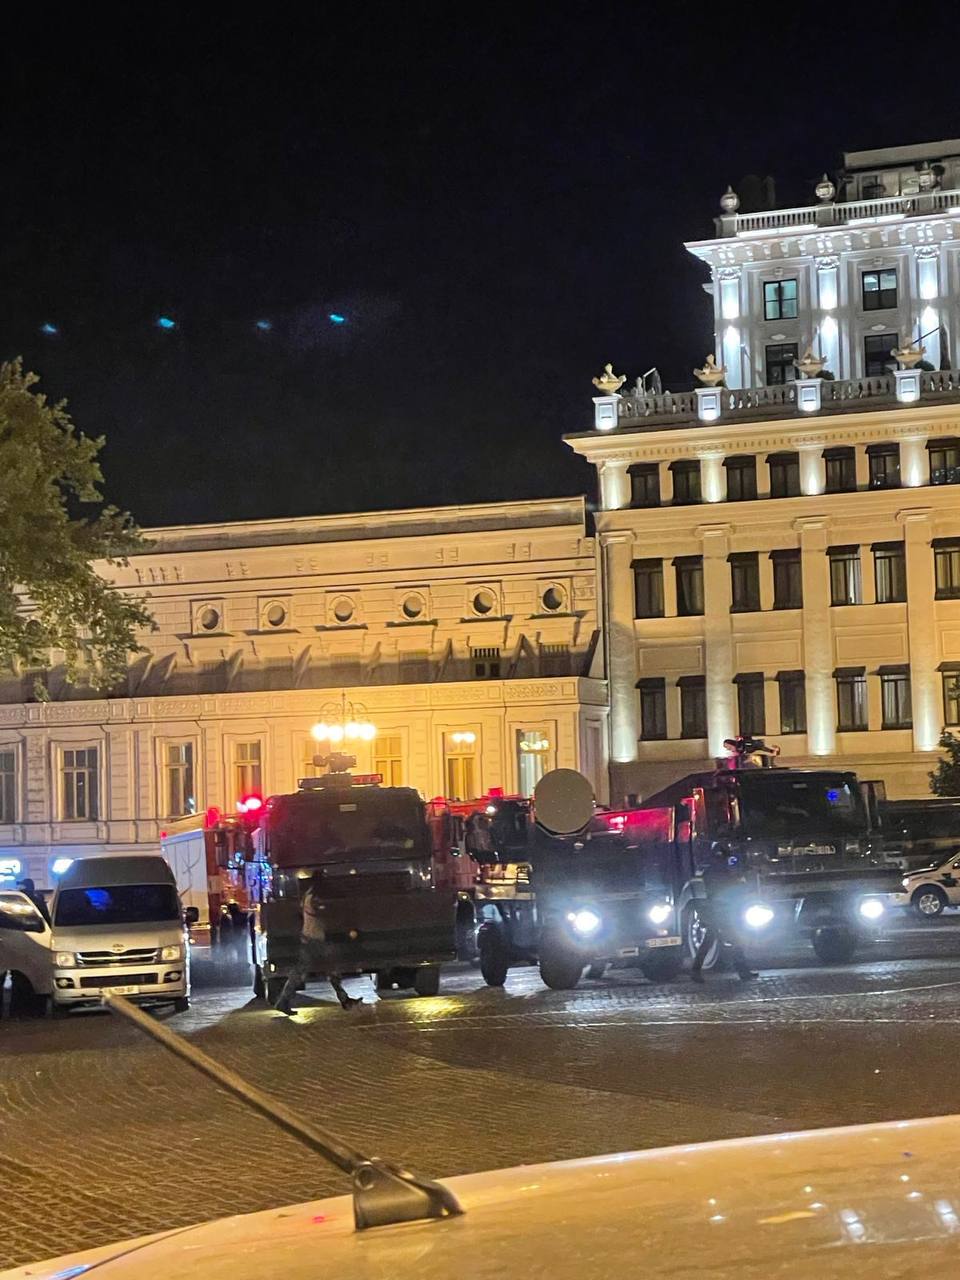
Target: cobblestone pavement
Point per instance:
(103, 1134)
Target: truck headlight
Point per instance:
(584, 921)
(871, 908)
(65, 960)
(173, 952)
(659, 913)
(758, 916)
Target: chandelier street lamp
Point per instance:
(345, 722)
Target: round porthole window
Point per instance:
(343, 609)
(553, 599)
(276, 615)
(484, 602)
(413, 605)
(209, 618)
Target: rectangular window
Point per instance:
(890, 572)
(689, 586)
(879, 290)
(944, 461)
(750, 706)
(780, 300)
(693, 707)
(8, 786)
(648, 588)
(741, 479)
(178, 793)
(876, 353)
(653, 710)
(745, 582)
(793, 701)
(787, 580)
(895, 698)
(845, 584)
(247, 775)
(784, 475)
(81, 784)
(388, 759)
(946, 560)
(851, 699)
(645, 485)
(841, 470)
(686, 482)
(884, 466)
(781, 363)
(460, 764)
(534, 757)
(951, 697)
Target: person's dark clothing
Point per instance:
(28, 887)
(720, 915)
(314, 957)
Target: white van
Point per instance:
(24, 948)
(118, 922)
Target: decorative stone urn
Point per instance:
(825, 190)
(609, 383)
(729, 201)
(809, 364)
(909, 354)
(711, 374)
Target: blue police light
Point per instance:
(336, 318)
(264, 325)
(164, 322)
(833, 795)
(49, 329)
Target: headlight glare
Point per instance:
(173, 952)
(758, 916)
(65, 960)
(871, 908)
(584, 921)
(659, 913)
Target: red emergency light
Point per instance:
(250, 804)
(212, 818)
(366, 779)
(634, 823)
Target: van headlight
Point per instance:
(173, 952)
(659, 912)
(758, 916)
(871, 908)
(65, 960)
(584, 921)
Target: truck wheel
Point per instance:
(494, 957)
(466, 934)
(274, 986)
(662, 966)
(835, 944)
(259, 990)
(928, 901)
(426, 981)
(560, 968)
(693, 931)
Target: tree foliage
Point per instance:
(945, 779)
(55, 609)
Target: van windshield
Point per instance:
(118, 904)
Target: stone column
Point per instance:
(621, 645)
(813, 469)
(666, 483)
(914, 462)
(614, 484)
(817, 637)
(862, 463)
(921, 587)
(718, 637)
(713, 478)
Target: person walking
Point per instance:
(720, 915)
(314, 957)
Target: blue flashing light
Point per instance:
(164, 322)
(833, 795)
(49, 329)
(336, 318)
(264, 325)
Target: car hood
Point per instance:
(877, 1200)
(101, 937)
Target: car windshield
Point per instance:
(800, 806)
(311, 828)
(118, 904)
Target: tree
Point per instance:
(55, 609)
(945, 779)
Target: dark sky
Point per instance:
(495, 197)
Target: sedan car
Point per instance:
(931, 889)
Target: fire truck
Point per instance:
(384, 869)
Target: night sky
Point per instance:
(494, 198)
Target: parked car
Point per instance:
(24, 948)
(931, 889)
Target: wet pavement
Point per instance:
(103, 1134)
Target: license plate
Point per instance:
(121, 991)
(663, 942)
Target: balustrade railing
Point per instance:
(844, 211)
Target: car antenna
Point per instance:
(383, 1193)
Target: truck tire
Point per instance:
(426, 981)
(273, 988)
(928, 901)
(494, 957)
(662, 966)
(560, 967)
(835, 944)
(693, 934)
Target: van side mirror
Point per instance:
(191, 915)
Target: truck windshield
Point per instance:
(307, 829)
(118, 904)
(800, 806)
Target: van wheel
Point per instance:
(426, 981)
(181, 1004)
(928, 901)
(835, 944)
(494, 957)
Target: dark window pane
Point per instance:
(780, 359)
(845, 577)
(891, 574)
(750, 705)
(741, 479)
(648, 588)
(787, 580)
(885, 467)
(693, 709)
(793, 704)
(946, 561)
(876, 353)
(690, 586)
(686, 482)
(841, 469)
(653, 710)
(784, 475)
(851, 702)
(745, 582)
(645, 485)
(895, 700)
(951, 697)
